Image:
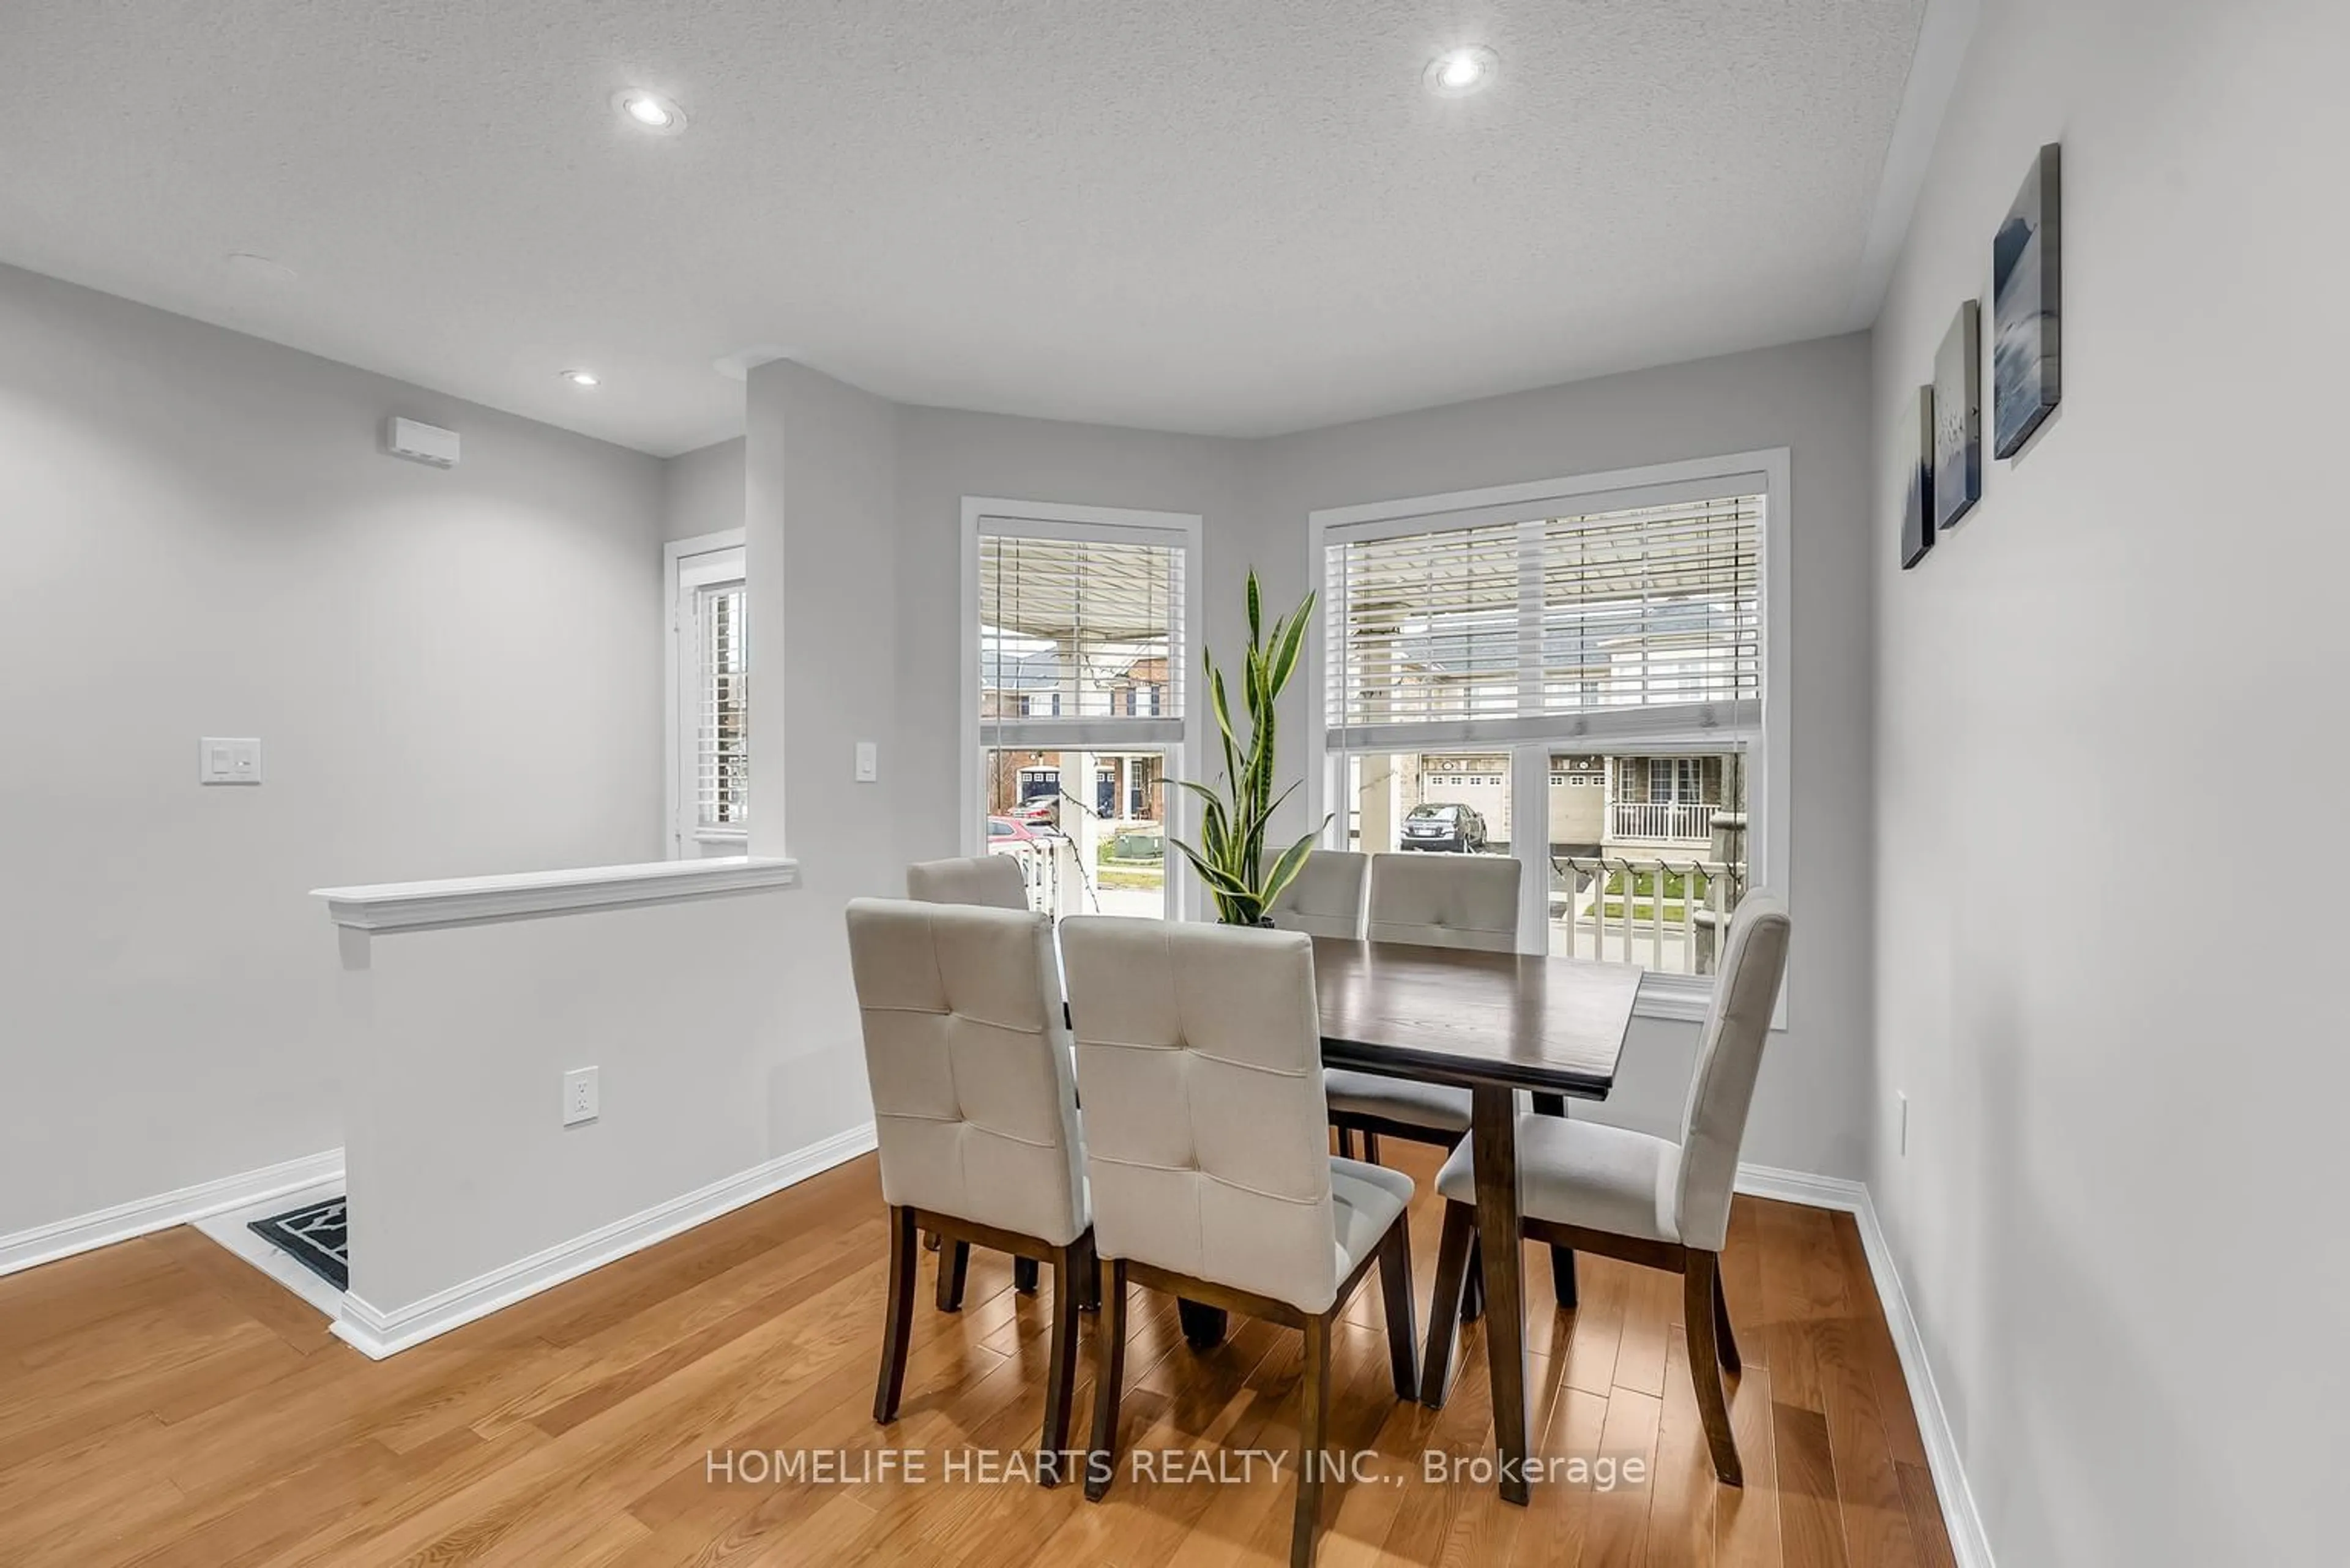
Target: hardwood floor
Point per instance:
(163, 1403)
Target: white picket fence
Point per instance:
(1628, 927)
(1661, 820)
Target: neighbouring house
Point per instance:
(1129, 788)
(1635, 806)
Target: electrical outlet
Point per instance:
(1901, 1102)
(580, 1099)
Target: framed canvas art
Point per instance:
(1918, 506)
(2027, 309)
(1958, 417)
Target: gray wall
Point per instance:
(820, 465)
(2124, 1134)
(449, 672)
(702, 490)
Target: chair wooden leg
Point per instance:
(1453, 1251)
(1204, 1326)
(1370, 1146)
(898, 1317)
(1561, 1259)
(955, 1266)
(1394, 1285)
(1071, 1264)
(1697, 1282)
(1101, 1458)
(1728, 1341)
(1025, 1274)
(1314, 1416)
(1472, 1295)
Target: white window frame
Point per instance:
(1053, 519)
(687, 566)
(1770, 795)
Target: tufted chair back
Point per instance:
(1445, 900)
(1325, 897)
(1206, 1139)
(974, 1105)
(991, 880)
(1728, 1056)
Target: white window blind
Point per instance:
(721, 762)
(1635, 623)
(1080, 636)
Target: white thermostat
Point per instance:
(421, 443)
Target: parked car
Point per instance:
(1444, 826)
(1037, 811)
(1009, 832)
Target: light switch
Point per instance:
(223, 758)
(869, 762)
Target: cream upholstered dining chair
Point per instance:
(1325, 897)
(975, 1111)
(1645, 1199)
(996, 882)
(1429, 900)
(1200, 1051)
(991, 880)
(1438, 900)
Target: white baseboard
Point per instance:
(63, 1238)
(378, 1334)
(1969, 1544)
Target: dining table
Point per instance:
(1494, 1024)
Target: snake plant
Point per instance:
(1231, 855)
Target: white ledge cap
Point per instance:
(522, 895)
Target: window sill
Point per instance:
(736, 835)
(1677, 997)
(474, 900)
(1688, 999)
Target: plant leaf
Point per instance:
(1215, 876)
(1288, 644)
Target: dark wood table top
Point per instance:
(1455, 1016)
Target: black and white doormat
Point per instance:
(313, 1235)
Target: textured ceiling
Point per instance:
(1231, 216)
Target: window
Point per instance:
(1079, 628)
(1674, 780)
(1598, 657)
(710, 697)
(1645, 619)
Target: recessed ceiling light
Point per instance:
(649, 111)
(583, 377)
(1457, 73)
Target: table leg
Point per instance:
(1203, 1326)
(1494, 1127)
